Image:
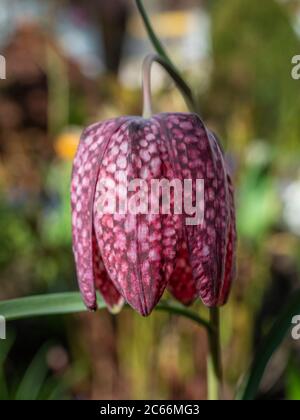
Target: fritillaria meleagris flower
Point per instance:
(135, 257)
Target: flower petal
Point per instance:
(182, 284)
(103, 283)
(138, 249)
(85, 172)
(196, 156)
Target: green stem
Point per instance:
(165, 60)
(71, 302)
(180, 83)
(152, 35)
(215, 372)
(180, 310)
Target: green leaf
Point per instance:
(270, 344)
(50, 304)
(34, 377)
(5, 347)
(71, 302)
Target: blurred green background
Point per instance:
(70, 63)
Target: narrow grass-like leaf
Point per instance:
(5, 347)
(270, 344)
(34, 378)
(71, 302)
(49, 304)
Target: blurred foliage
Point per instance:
(293, 382)
(35, 384)
(55, 225)
(259, 206)
(252, 94)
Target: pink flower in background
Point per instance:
(135, 257)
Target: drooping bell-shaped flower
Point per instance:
(135, 252)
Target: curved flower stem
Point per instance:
(71, 302)
(180, 310)
(152, 36)
(180, 83)
(215, 376)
